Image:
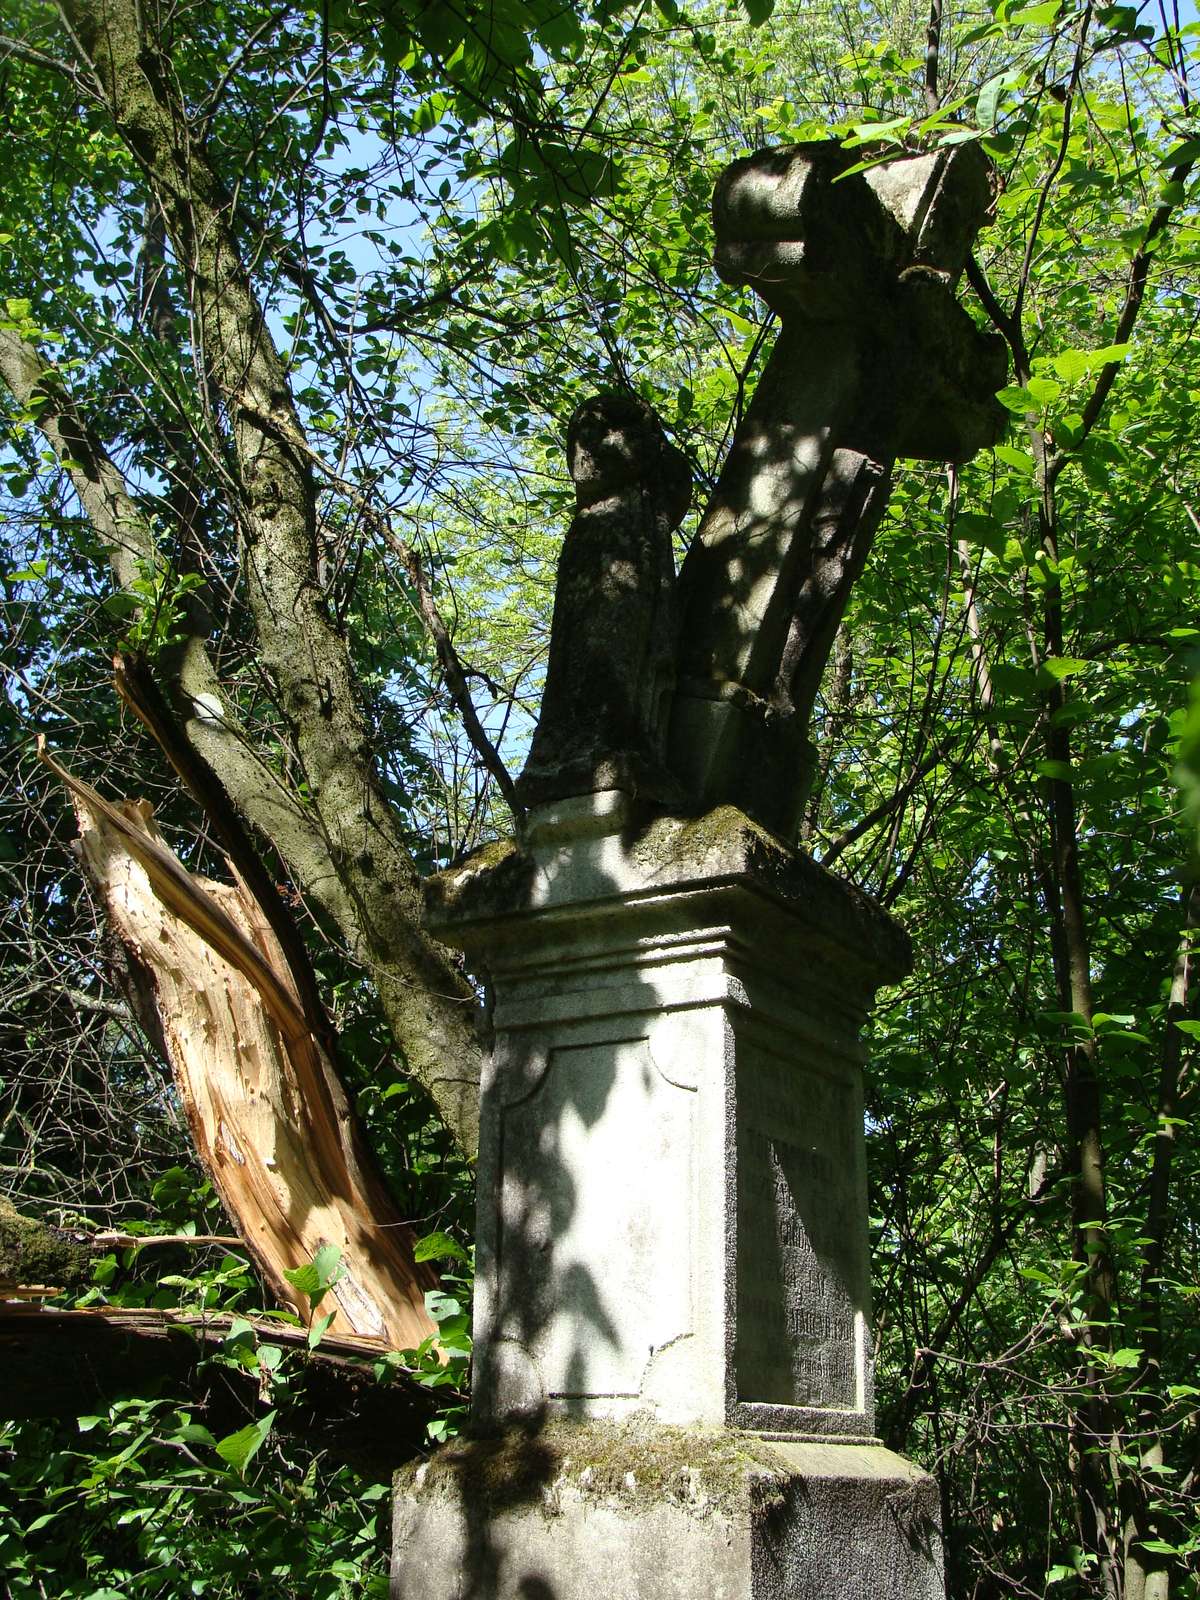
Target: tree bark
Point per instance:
(342, 842)
(64, 1363)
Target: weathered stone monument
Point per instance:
(673, 1370)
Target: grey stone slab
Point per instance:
(646, 1513)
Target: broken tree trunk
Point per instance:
(270, 1119)
(61, 1363)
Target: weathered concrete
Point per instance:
(627, 1513)
(672, 1314)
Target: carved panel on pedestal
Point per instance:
(595, 1248)
(801, 1280)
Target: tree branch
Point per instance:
(1135, 293)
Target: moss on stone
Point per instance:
(722, 834)
(640, 1464)
(488, 856)
(486, 872)
(32, 1253)
(496, 883)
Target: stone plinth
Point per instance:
(672, 1196)
(673, 1294)
(607, 1511)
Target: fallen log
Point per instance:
(37, 1259)
(63, 1364)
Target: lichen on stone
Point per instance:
(639, 1463)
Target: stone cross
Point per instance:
(875, 360)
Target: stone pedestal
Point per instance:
(613, 1511)
(672, 1225)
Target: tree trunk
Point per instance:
(269, 1117)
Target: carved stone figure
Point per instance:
(606, 705)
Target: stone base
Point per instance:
(598, 1511)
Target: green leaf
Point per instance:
(318, 1275)
(1183, 153)
(441, 1306)
(319, 1329)
(1192, 1029)
(194, 1433)
(1017, 683)
(979, 529)
(306, 1278)
(758, 10)
(1073, 364)
(1038, 16)
(239, 1449)
(1044, 390)
(1020, 459)
(1056, 668)
(437, 1247)
(327, 1261)
(987, 106)
(1016, 399)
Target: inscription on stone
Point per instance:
(800, 1276)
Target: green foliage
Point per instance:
(319, 1275)
(143, 1500)
(462, 221)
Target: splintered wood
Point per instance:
(270, 1118)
